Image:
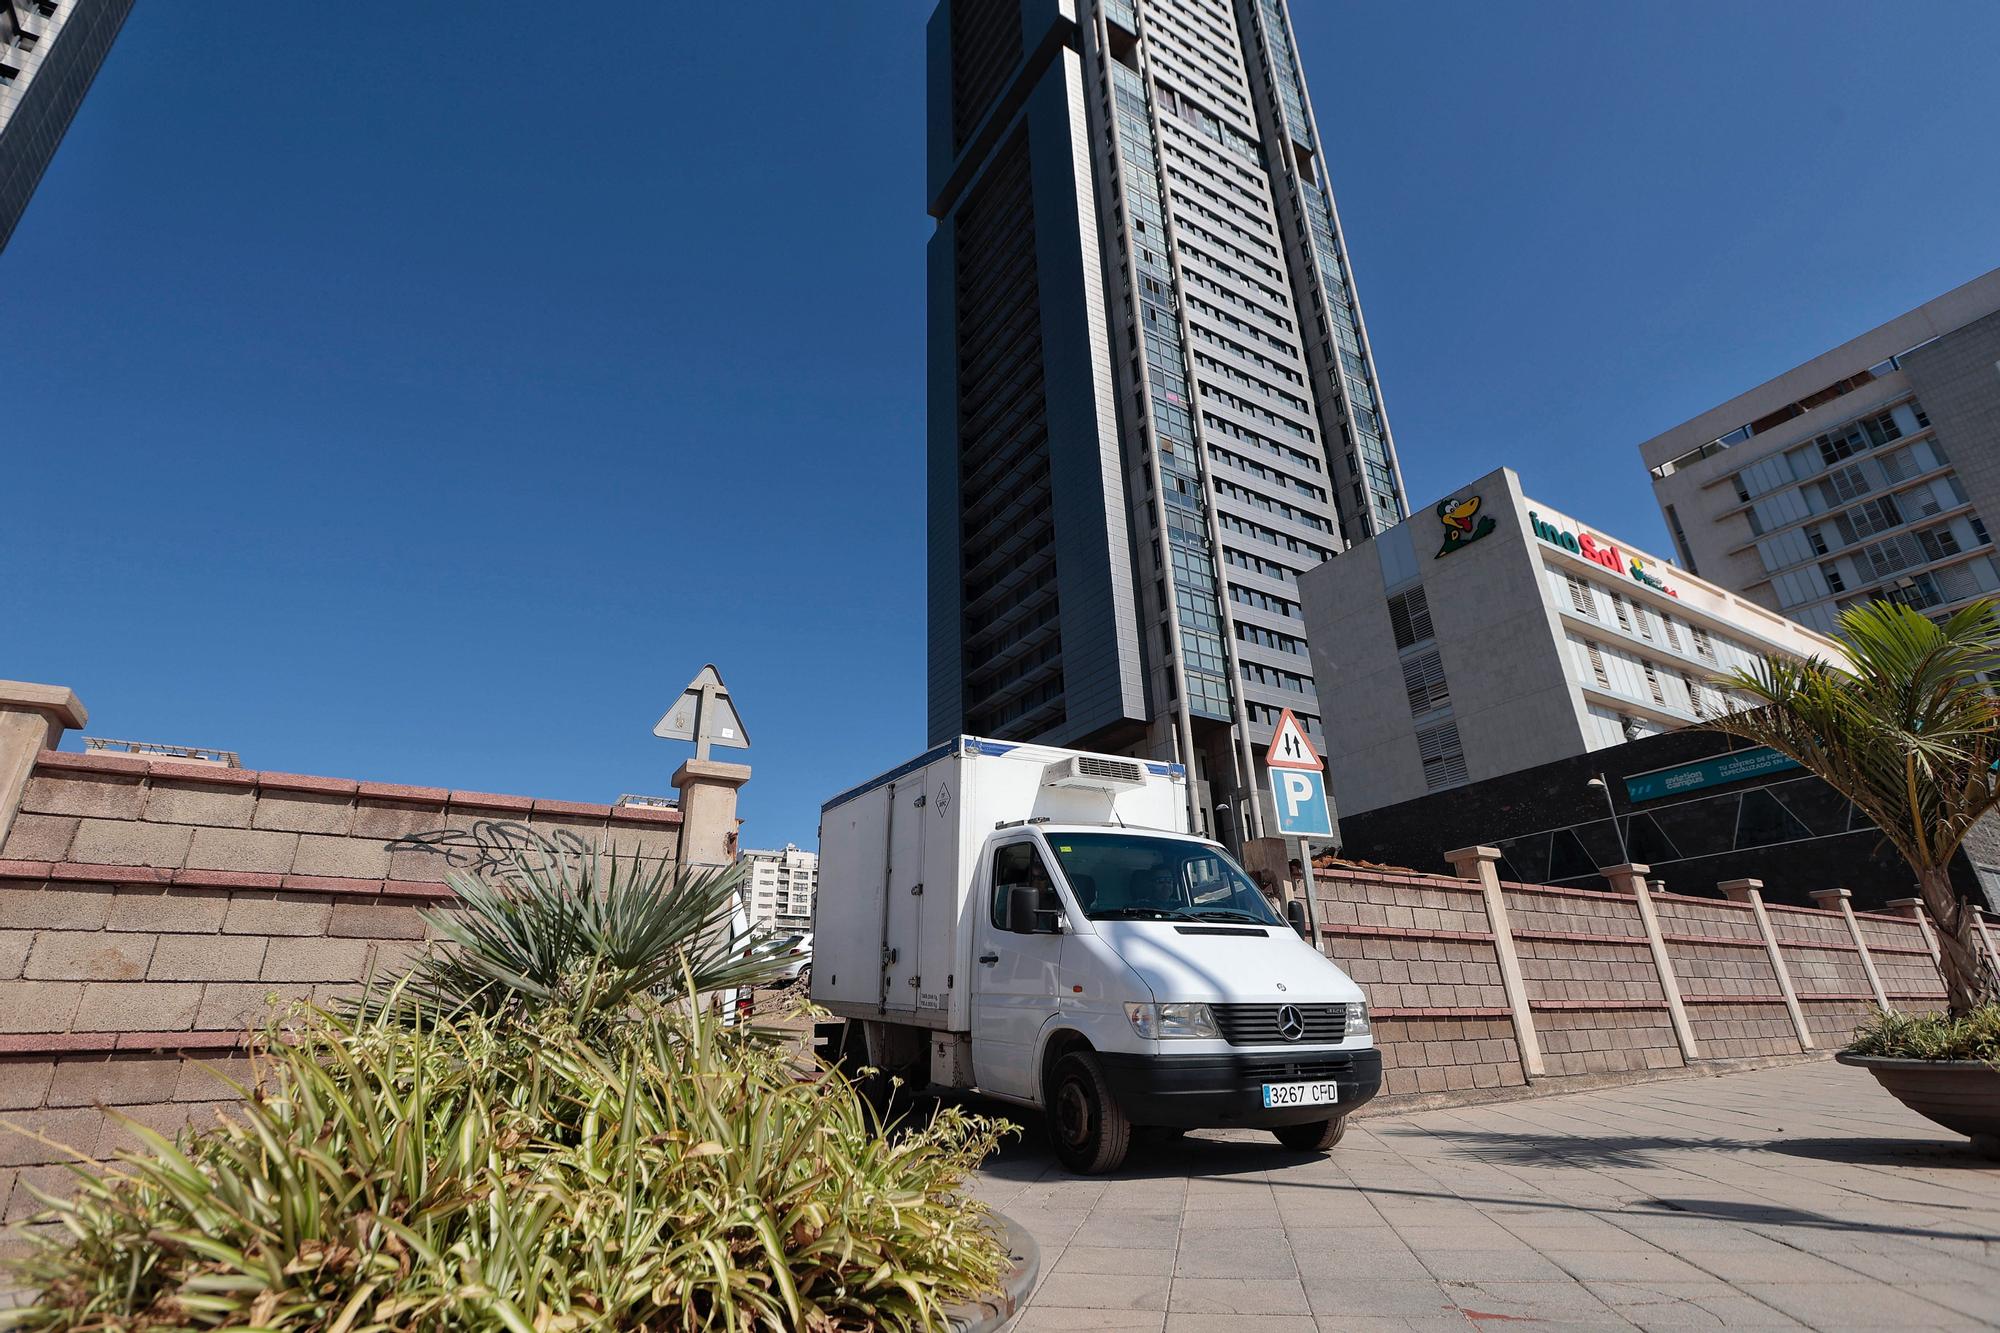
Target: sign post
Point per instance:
(1298, 789)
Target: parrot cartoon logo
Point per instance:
(1459, 529)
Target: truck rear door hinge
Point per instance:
(917, 889)
(888, 957)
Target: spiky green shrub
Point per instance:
(1976, 1036)
(544, 922)
(488, 1173)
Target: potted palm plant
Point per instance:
(1909, 731)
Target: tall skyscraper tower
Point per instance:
(1151, 398)
(49, 53)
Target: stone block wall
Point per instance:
(1598, 995)
(150, 911)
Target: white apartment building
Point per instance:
(782, 887)
(1872, 471)
(1512, 636)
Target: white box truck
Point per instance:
(1038, 925)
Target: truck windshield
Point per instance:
(1131, 877)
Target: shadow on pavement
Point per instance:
(1632, 1152)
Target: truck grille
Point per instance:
(1279, 1071)
(1258, 1024)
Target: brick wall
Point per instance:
(1593, 998)
(149, 911)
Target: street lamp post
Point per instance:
(1624, 853)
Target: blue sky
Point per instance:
(424, 396)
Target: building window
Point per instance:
(1673, 634)
(1410, 618)
(1939, 543)
(1579, 596)
(1703, 645)
(1831, 573)
(1817, 539)
(1597, 669)
(1979, 532)
(1423, 679)
(1694, 692)
(1618, 609)
(1653, 683)
(1442, 755)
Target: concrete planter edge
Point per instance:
(1961, 1095)
(998, 1310)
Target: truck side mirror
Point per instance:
(1025, 913)
(1295, 913)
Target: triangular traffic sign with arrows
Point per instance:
(1289, 746)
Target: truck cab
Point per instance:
(1138, 978)
(1039, 926)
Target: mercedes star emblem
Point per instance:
(1291, 1023)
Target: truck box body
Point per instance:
(898, 855)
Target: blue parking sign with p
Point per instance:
(1300, 795)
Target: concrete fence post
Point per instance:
(1751, 891)
(708, 810)
(1477, 863)
(32, 719)
(1979, 919)
(1841, 900)
(1914, 909)
(1631, 878)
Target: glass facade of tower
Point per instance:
(49, 53)
(1191, 416)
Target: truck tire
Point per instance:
(1086, 1125)
(1314, 1135)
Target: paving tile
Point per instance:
(1354, 1295)
(1181, 1322)
(1522, 1265)
(1539, 1300)
(1649, 1265)
(1081, 1258)
(1856, 1306)
(1254, 1252)
(1069, 1319)
(1708, 1304)
(1764, 1266)
(1230, 1295)
(1102, 1291)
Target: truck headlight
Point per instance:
(1161, 1021)
(1357, 1019)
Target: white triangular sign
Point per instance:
(1289, 746)
(723, 726)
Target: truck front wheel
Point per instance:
(1314, 1135)
(1086, 1124)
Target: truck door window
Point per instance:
(1016, 864)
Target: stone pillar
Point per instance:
(1631, 878)
(708, 810)
(1828, 898)
(1914, 909)
(1751, 891)
(32, 719)
(1477, 863)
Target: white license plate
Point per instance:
(1301, 1094)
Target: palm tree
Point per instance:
(1908, 731)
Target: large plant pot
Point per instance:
(1962, 1095)
(997, 1310)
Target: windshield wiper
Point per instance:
(1229, 914)
(1131, 914)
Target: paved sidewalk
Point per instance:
(1783, 1198)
